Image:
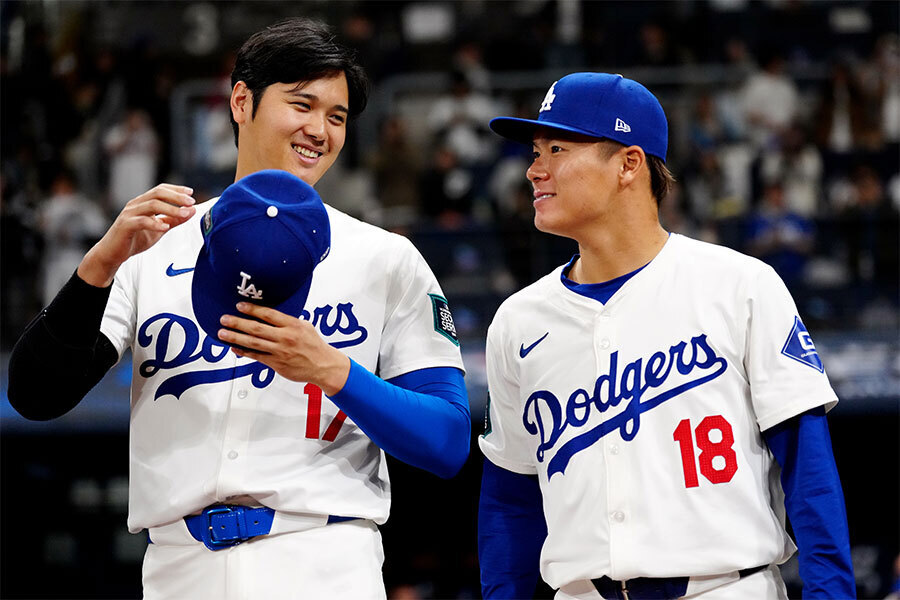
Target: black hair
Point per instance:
(661, 178)
(296, 50)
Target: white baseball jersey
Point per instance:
(642, 417)
(207, 426)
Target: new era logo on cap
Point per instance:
(598, 105)
(622, 126)
(261, 242)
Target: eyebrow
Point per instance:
(315, 98)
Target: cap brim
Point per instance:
(522, 130)
(211, 299)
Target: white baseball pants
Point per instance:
(336, 561)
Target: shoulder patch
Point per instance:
(443, 319)
(799, 346)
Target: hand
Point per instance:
(290, 346)
(141, 224)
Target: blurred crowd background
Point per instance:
(784, 138)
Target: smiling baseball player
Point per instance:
(257, 438)
(646, 396)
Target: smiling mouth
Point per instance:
(306, 152)
(544, 196)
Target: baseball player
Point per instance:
(656, 403)
(257, 450)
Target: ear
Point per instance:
(633, 158)
(241, 103)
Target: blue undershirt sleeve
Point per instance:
(814, 502)
(421, 418)
(511, 532)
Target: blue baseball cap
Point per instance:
(599, 105)
(261, 241)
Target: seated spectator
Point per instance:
(770, 101)
(133, 149)
(780, 237)
(798, 164)
(712, 186)
(396, 165)
(71, 224)
(446, 190)
(869, 229)
(460, 119)
(841, 115)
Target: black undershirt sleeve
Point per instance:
(62, 354)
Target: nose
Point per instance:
(536, 171)
(314, 127)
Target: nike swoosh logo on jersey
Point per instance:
(171, 271)
(523, 351)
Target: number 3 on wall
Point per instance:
(708, 450)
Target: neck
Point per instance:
(613, 252)
(242, 170)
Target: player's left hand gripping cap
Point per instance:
(261, 242)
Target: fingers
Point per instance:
(277, 332)
(164, 210)
(269, 315)
(153, 224)
(165, 199)
(167, 205)
(263, 357)
(251, 345)
(175, 194)
(250, 327)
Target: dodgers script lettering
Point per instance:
(160, 331)
(545, 417)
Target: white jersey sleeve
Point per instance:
(120, 315)
(504, 442)
(785, 371)
(418, 328)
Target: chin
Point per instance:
(543, 223)
(550, 226)
(310, 176)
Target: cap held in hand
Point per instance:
(261, 242)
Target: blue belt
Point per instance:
(225, 525)
(642, 588)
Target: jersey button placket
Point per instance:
(236, 438)
(603, 341)
(618, 480)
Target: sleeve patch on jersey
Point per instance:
(800, 347)
(443, 320)
(487, 417)
(207, 222)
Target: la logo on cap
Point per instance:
(248, 291)
(548, 99)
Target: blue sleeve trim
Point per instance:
(511, 533)
(421, 418)
(814, 502)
